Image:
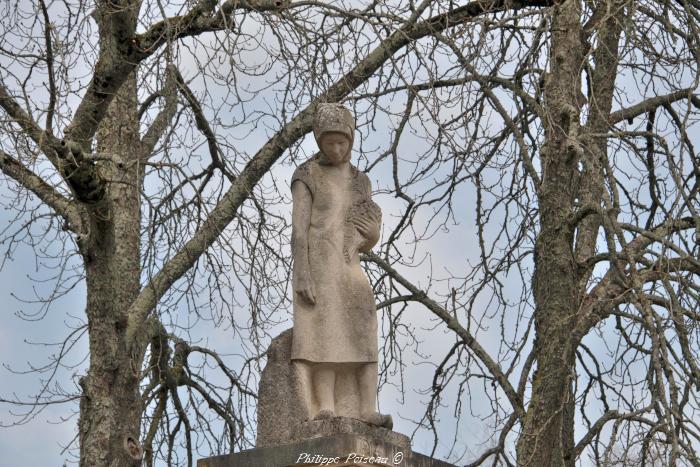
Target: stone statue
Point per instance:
(318, 391)
(335, 325)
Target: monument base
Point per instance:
(337, 442)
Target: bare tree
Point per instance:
(148, 143)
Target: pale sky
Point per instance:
(40, 441)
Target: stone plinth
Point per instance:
(339, 442)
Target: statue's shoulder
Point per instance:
(361, 180)
(308, 165)
(305, 172)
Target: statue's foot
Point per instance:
(378, 419)
(324, 414)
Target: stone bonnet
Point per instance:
(331, 117)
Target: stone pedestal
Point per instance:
(287, 438)
(338, 442)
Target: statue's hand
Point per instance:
(364, 226)
(368, 226)
(304, 287)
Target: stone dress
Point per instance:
(342, 325)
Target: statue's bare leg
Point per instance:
(304, 371)
(367, 380)
(324, 389)
(367, 376)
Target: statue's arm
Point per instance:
(370, 226)
(301, 219)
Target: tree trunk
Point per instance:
(547, 437)
(110, 410)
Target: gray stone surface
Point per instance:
(338, 441)
(340, 450)
(280, 395)
(343, 425)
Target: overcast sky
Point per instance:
(25, 344)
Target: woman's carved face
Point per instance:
(335, 146)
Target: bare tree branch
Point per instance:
(285, 137)
(45, 192)
(452, 323)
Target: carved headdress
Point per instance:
(332, 117)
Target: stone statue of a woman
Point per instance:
(335, 323)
